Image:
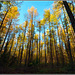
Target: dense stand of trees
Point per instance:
(47, 41)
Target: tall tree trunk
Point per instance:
(16, 47)
(70, 14)
(32, 32)
(5, 38)
(61, 52)
(69, 50)
(6, 47)
(26, 54)
(29, 52)
(17, 44)
(45, 46)
(23, 44)
(11, 45)
(41, 51)
(56, 50)
(68, 46)
(19, 53)
(3, 19)
(29, 49)
(39, 42)
(51, 55)
(37, 52)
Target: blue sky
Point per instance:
(40, 5)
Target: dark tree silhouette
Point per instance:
(70, 14)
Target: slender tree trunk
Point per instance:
(68, 46)
(4, 55)
(57, 55)
(51, 55)
(16, 47)
(29, 48)
(37, 52)
(6, 47)
(26, 54)
(69, 50)
(11, 45)
(56, 50)
(29, 52)
(45, 46)
(39, 42)
(16, 44)
(19, 53)
(3, 19)
(41, 51)
(39, 46)
(5, 38)
(22, 45)
(61, 52)
(32, 32)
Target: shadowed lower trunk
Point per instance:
(56, 50)
(61, 53)
(51, 55)
(37, 52)
(11, 45)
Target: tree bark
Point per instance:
(70, 14)
(5, 38)
(23, 44)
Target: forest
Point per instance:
(37, 46)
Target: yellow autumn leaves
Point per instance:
(33, 10)
(13, 12)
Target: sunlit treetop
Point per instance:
(43, 21)
(57, 5)
(8, 3)
(13, 13)
(47, 14)
(53, 18)
(35, 12)
(32, 10)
